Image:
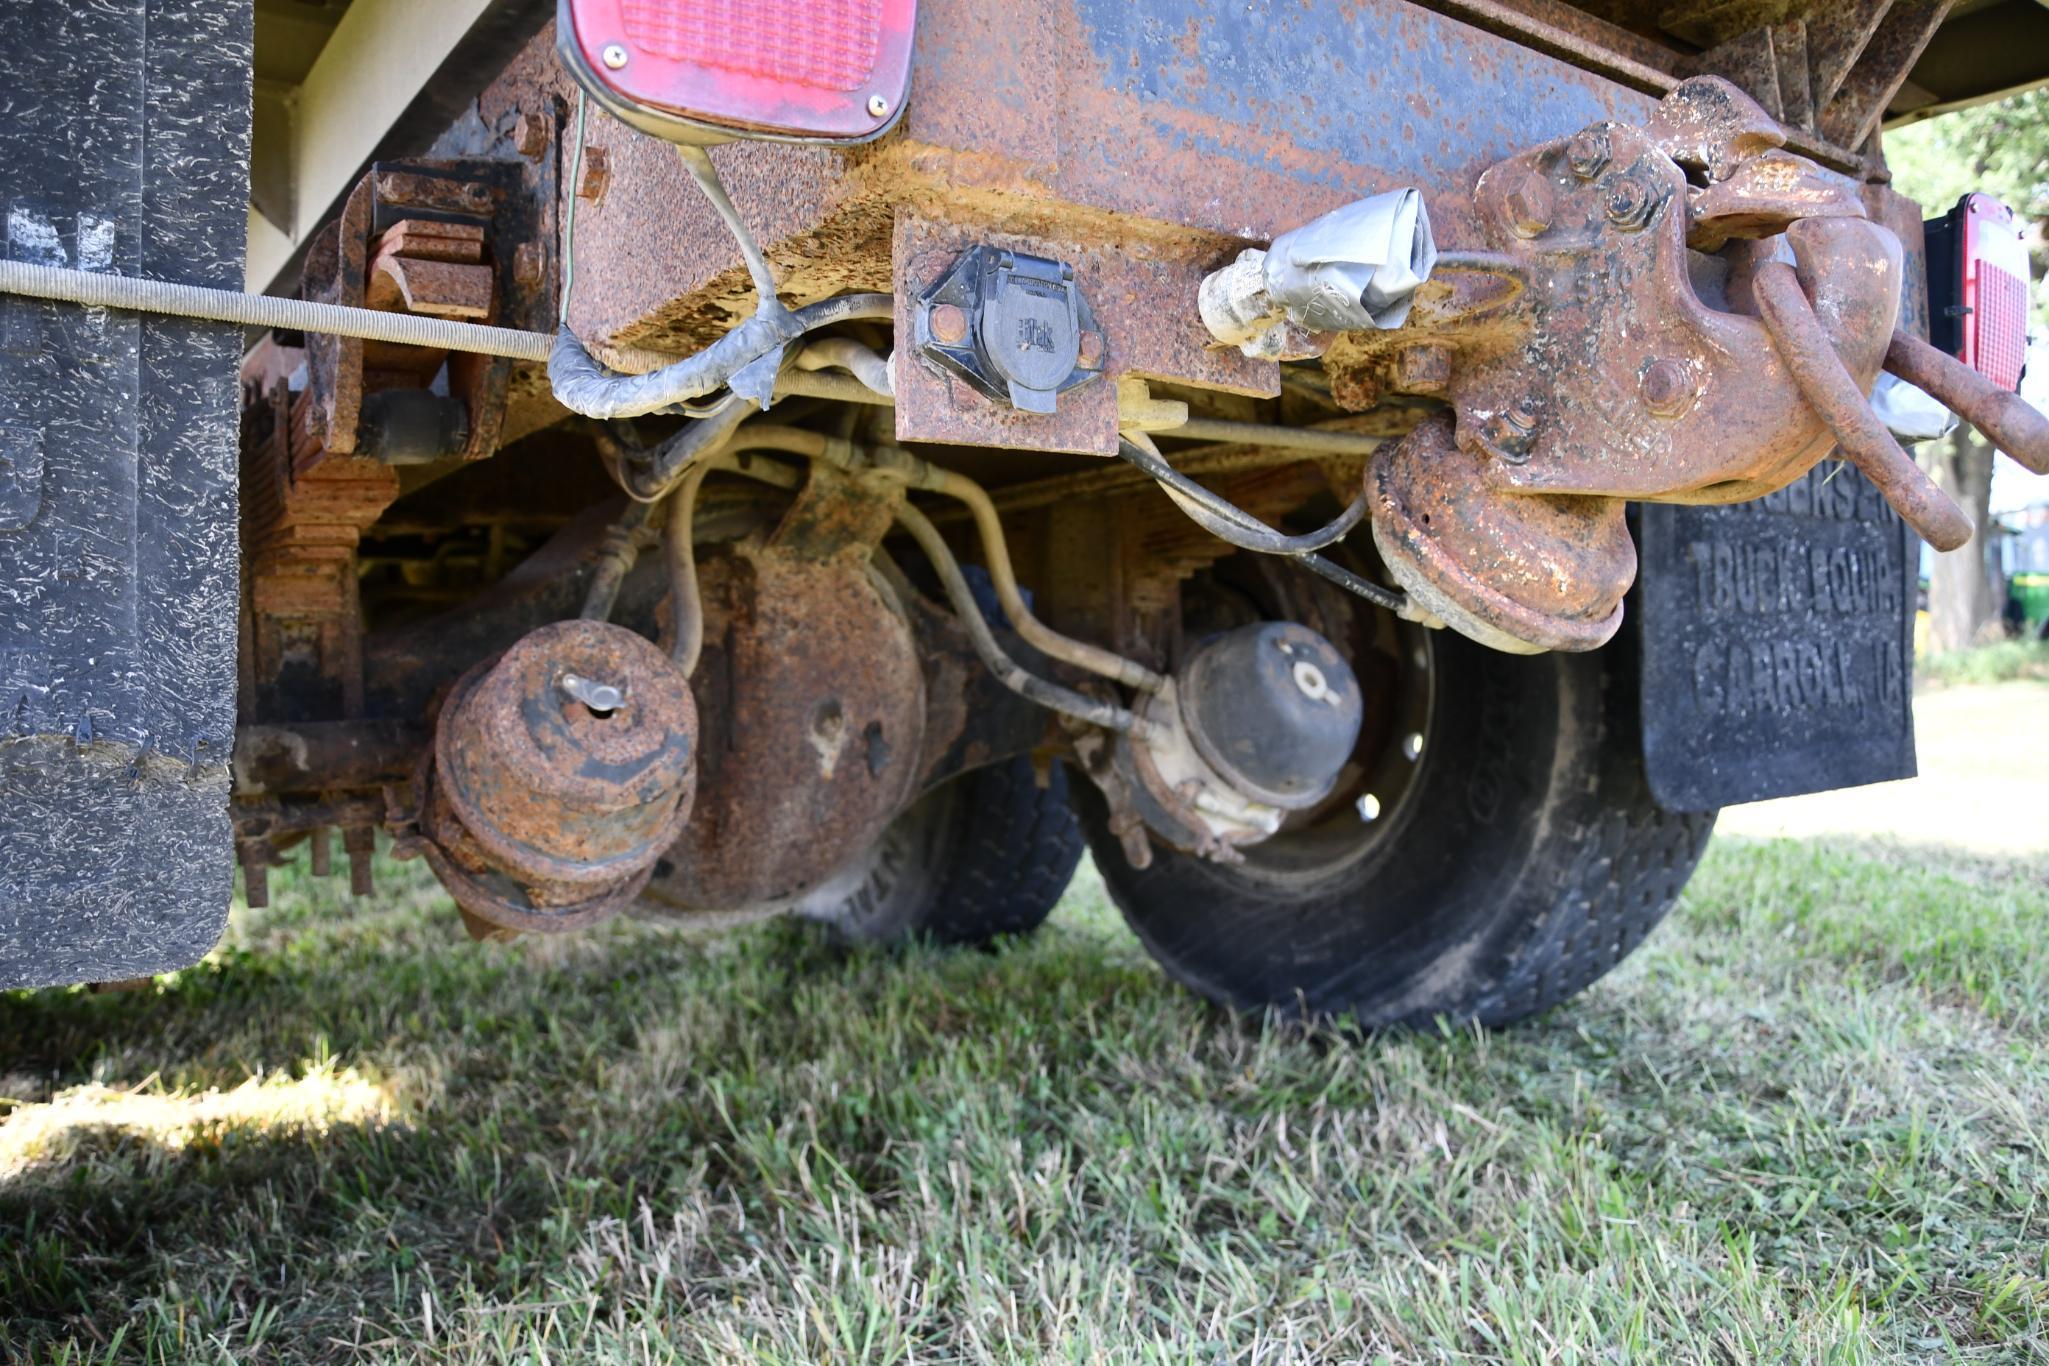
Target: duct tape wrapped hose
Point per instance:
(1353, 269)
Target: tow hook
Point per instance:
(1681, 312)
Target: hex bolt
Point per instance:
(1588, 152)
(530, 135)
(1423, 370)
(878, 107)
(361, 842)
(528, 264)
(254, 857)
(1513, 430)
(1668, 387)
(949, 324)
(1529, 206)
(320, 855)
(614, 56)
(1630, 204)
(597, 173)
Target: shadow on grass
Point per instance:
(1056, 1098)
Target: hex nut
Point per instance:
(1423, 370)
(528, 261)
(597, 173)
(1588, 153)
(1630, 203)
(1668, 387)
(530, 135)
(1529, 205)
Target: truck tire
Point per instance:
(1525, 858)
(982, 856)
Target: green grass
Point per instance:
(1807, 1122)
(2001, 662)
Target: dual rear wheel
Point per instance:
(1492, 849)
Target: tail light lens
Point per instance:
(1978, 288)
(708, 70)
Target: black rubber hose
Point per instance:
(1229, 522)
(1029, 686)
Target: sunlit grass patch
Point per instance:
(146, 1123)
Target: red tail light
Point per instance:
(707, 70)
(1978, 288)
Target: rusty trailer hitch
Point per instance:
(1681, 312)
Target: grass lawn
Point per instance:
(1810, 1120)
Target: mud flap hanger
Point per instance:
(1682, 312)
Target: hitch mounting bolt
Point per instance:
(1529, 206)
(1587, 153)
(1668, 387)
(1630, 204)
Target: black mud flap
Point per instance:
(125, 131)
(1777, 643)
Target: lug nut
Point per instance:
(1588, 153)
(1529, 206)
(1668, 387)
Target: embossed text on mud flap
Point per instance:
(1777, 643)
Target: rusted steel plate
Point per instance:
(1088, 121)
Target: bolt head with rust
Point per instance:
(1630, 203)
(1529, 205)
(1588, 152)
(1669, 387)
(1423, 370)
(529, 262)
(1090, 355)
(532, 134)
(597, 173)
(1513, 431)
(949, 324)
